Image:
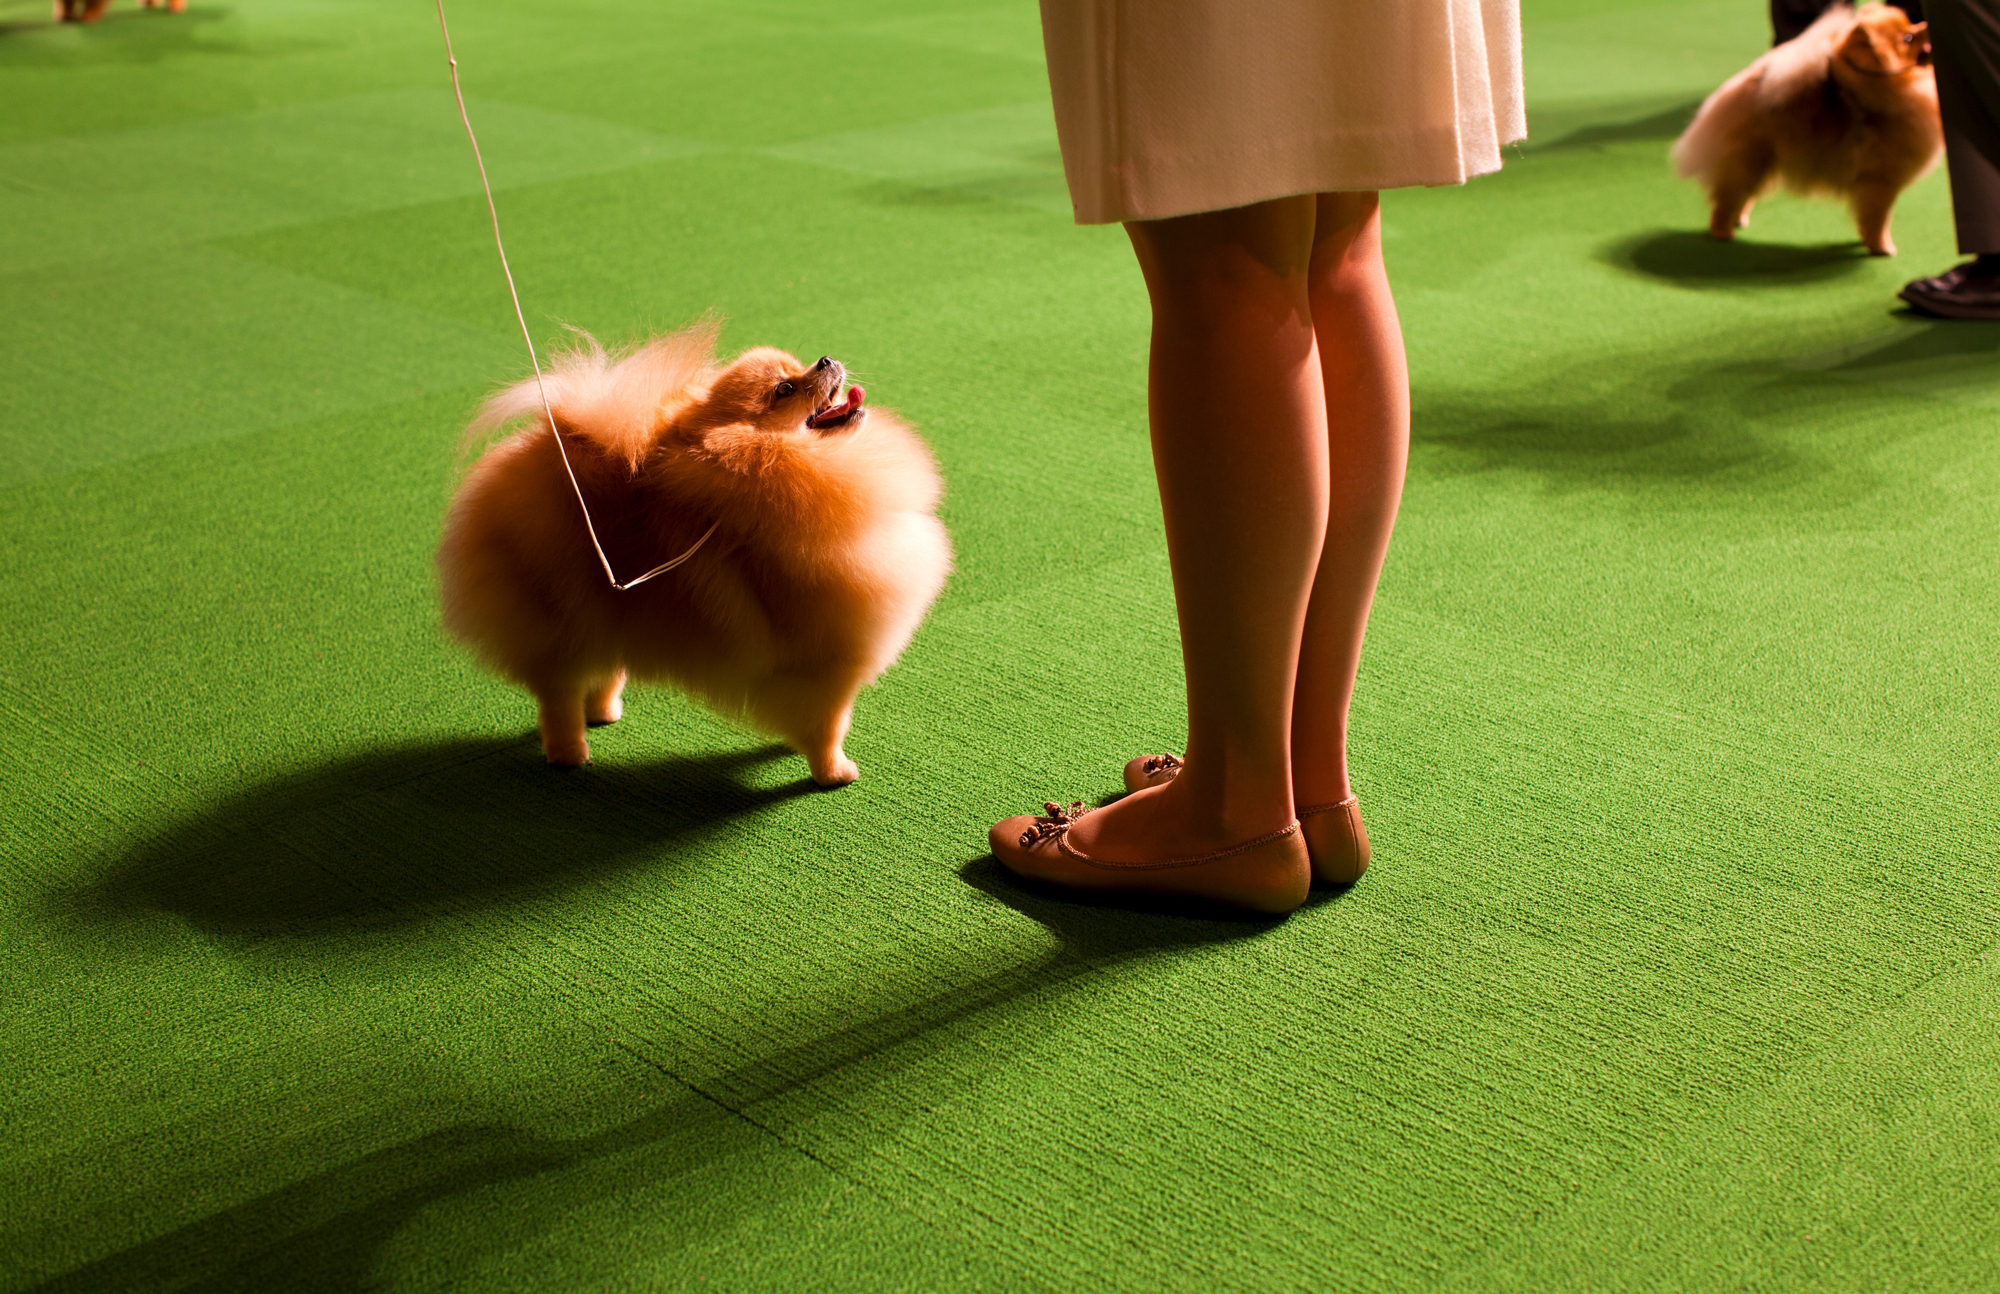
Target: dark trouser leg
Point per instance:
(1965, 45)
(1790, 17)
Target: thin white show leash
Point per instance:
(522, 319)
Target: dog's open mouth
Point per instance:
(831, 415)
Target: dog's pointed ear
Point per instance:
(1862, 49)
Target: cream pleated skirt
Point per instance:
(1166, 107)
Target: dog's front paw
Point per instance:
(837, 771)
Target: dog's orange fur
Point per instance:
(826, 556)
(1846, 109)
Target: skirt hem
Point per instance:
(1161, 187)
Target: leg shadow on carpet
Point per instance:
(1089, 937)
(392, 837)
(1753, 428)
(1958, 350)
(472, 1195)
(465, 1197)
(1665, 123)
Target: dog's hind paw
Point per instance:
(606, 704)
(838, 771)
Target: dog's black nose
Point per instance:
(825, 361)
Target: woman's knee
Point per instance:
(1347, 236)
(1263, 251)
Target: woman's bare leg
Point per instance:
(1238, 415)
(1368, 436)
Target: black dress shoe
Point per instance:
(1955, 294)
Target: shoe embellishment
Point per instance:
(1061, 817)
(1155, 763)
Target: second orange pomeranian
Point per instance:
(92, 10)
(825, 555)
(1848, 108)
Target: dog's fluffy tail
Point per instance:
(1778, 76)
(614, 399)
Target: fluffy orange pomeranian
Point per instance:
(1848, 108)
(826, 551)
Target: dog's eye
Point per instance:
(786, 388)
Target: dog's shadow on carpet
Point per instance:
(1691, 258)
(383, 839)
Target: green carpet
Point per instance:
(1678, 729)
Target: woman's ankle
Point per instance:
(1319, 797)
(1167, 822)
(1321, 783)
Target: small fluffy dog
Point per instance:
(1847, 109)
(92, 10)
(826, 554)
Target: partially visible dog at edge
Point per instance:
(92, 10)
(826, 554)
(1848, 108)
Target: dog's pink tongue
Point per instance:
(839, 415)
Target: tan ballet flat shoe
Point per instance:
(1336, 840)
(1142, 771)
(1271, 874)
